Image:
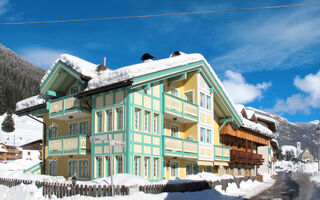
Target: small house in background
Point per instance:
(3, 152)
(13, 152)
(32, 150)
(306, 156)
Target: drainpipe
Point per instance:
(43, 141)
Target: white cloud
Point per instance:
(303, 102)
(240, 91)
(40, 56)
(3, 6)
(272, 40)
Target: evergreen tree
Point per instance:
(289, 155)
(8, 123)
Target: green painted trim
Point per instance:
(33, 168)
(178, 78)
(224, 122)
(222, 157)
(182, 153)
(54, 93)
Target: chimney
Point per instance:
(101, 68)
(146, 57)
(176, 53)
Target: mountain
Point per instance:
(19, 79)
(289, 133)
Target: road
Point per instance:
(285, 188)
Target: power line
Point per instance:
(160, 15)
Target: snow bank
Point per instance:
(32, 101)
(118, 179)
(26, 130)
(17, 165)
(81, 66)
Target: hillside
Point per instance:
(19, 79)
(289, 133)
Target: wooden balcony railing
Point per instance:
(242, 157)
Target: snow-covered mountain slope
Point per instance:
(26, 130)
(289, 133)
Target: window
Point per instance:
(146, 167)
(119, 118)
(83, 169)
(84, 128)
(109, 120)
(155, 123)
(208, 102)
(208, 169)
(74, 89)
(174, 130)
(73, 129)
(202, 134)
(189, 96)
(137, 165)
(119, 164)
(99, 121)
(146, 121)
(52, 167)
(208, 138)
(202, 100)
(174, 92)
(72, 168)
(137, 118)
(99, 167)
(188, 169)
(53, 131)
(108, 163)
(155, 167)
(174, 169)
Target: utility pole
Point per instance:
(318, 134)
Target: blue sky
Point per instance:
(268, 59)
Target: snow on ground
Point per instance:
(21, 135)
(118, 179)
(17, 165)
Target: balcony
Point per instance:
(179, 109)
(68, 107)
(221, 153)
(177, 147)
(69, 145)
(242, 157)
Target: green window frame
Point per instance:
(174, 169)
(202, 134)
(119, 118)
(72, 168)
(109, 119)
(73, 128)
(84, 128)
(108, 164)
(99, 115)
(53, 131)
(83, 169)
(74, 89)
(189, 169)
(146, 121)
(52, 167)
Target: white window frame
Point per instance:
(100, 122)
(208, 102)
(146, 121)
(210, 136)
(178, 132)
(137, 118)
(136, 165)
(102, 166)
(120, 119)
(176, 169)
(202, 136)
(189, 91)
(156, 167)
(156, 123)
(75, 87)
(119, 167)
(109, 119)
(202, 100)
(146, 165)
(173, 90)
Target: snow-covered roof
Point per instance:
(81, 66)
(3, 150)
(257, 128)
(265, 118)
(31, 101)
(289, 148)
(240, 108)
(250, 113)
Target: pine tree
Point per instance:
(8, 124)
